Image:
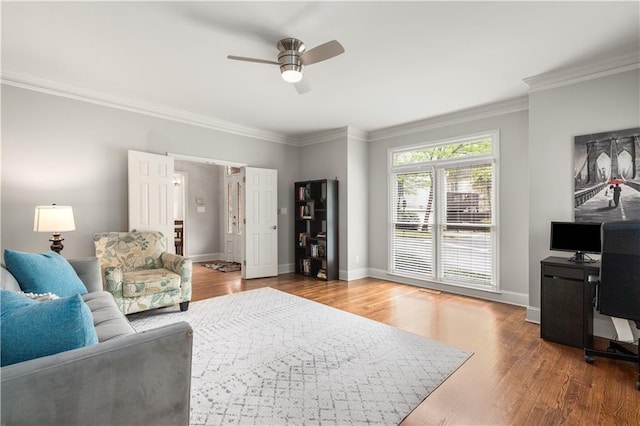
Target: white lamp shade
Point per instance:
(54, 219)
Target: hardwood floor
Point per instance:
(513, 378)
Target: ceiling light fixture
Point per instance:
(291, 75)
(289, 59)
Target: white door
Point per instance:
(151, 194)
(261, 220)
(233, 205)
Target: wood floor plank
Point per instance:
(513, 378)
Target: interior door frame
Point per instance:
(211, 162)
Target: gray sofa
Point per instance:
(128, 378)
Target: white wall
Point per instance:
(66, 151)
(556, 116)
(513, 211)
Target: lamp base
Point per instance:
(56, 242)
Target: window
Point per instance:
(443, 221)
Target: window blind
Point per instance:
(466, 228)
(412, 223)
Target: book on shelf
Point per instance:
(303, 238)
(322, 273)
(321, 234)
(313, 250)
(304, 193)
(306, 266)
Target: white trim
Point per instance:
(509, 297)
(463, 116)
(576, 74)
(356, 274)
(206, 257)
(154, 110)
(286, 268)
(533, 315)
(354, 133)
(205, 160)
(322, 136)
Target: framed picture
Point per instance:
(607, 176)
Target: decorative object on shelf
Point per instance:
(55, 219)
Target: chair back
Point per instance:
(619, 290)
(130, 250)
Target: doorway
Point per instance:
(234, 214)
(180, 212)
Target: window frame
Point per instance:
(437, 168)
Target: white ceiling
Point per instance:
(403, 62)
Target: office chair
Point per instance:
(618, 287)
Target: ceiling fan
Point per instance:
(293, 56)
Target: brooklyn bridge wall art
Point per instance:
(607, 176)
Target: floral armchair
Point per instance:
(139, 272)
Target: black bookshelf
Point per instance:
(316, 228)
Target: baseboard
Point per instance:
(356, 274)
(533, 315)
(205, 257)
(509, 297)
(286, 268)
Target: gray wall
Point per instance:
(328, 160)
(66, 151)
(203, 231)
(513, 212)
(557, 115)
(357, 208)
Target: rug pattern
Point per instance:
(268, 357)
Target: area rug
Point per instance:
(222, 266)
(267, 357)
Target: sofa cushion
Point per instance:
(109, 322)
(31, 329)
(44, 273)
(149, 281)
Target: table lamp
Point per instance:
(54, 219)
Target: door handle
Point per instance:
(275, 227)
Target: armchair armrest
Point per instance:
(113, 277)
(143, 378)
(182, 266)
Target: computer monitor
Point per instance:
(576, 237)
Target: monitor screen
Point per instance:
(575, 237)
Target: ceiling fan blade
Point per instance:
(260, 61)
(321, 53)
(302, 86)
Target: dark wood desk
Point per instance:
(566, 301)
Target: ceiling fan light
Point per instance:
(291, 76)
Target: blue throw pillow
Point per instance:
(44, 273)
(31, 329)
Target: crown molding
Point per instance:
(577, 74)
(358, 134)
(475, 113)
(127, 104)
(322, 136)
